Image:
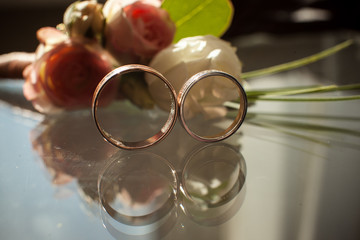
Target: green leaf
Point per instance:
(199, 17)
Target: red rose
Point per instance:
(65, 77)
(138, 28)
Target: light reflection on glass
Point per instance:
(138, 192)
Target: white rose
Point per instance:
(189, 56)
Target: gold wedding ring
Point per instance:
(234, 126)
(166, 128)
(177, 106)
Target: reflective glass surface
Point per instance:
(290, 172)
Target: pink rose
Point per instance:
(137, 30)
(59, 141)
(156, 3)
(65, 76)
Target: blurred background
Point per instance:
(19, 19)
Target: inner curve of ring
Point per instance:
(163, 132)
(237, 121)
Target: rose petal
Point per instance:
(50, 36)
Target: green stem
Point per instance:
(260, 92)
(303, 115)
(301, 90)
(297, 63)
(303, 99)
(279, 94)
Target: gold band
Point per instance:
(164, 131)
(177, 107)
(237, 121)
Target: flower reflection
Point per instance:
(71, 149)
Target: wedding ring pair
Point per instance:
(177, 107)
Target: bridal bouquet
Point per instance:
(176, 37)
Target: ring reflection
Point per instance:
(138, 189)
(139, 192)
(211, 181)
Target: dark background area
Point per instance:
(277, 16)
(19, 19)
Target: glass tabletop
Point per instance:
(290, 172)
